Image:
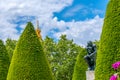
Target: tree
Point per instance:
(65, 58)
(67, 52)
(109, 48)
(49, 48)
(4, 61)
(10, 46)
(29, 61)
(80, 66)
(61, 56)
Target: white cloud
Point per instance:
(83, 31)
(10, 9)
(73, 10)
(80, 31)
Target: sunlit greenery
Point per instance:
(109, 48)
(66, 59)
(4, 61)
(29, 61)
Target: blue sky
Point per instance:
(80, 20)
(82, 10)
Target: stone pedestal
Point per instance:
(90, 75)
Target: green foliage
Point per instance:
(80, 67)
(49, 48)
(29, 61)
(67, 52)
(10, 46)
(62, 56)
(4, 61)
(109, 48)
(97, 44)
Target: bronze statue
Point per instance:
(90, 58)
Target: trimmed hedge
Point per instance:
(4, 61)
(29, 61)
(109, 49)
(80, 66)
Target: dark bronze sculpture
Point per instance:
(90, 58)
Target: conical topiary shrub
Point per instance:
(29, 61)
(80, 66)
(4, 61)
(109, 48)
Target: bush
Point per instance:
(4, 61)
(29, 61)
(109, 49)
(80, 67)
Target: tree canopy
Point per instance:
(4, 61)
(62, 56)
(10, 46)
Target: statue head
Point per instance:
(89, 43)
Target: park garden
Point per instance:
(32, 58)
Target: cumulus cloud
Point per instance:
(79, 31)
(83, 31)
(11, 9)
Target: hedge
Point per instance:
(29, 61)
(80, 66)
(109, 48)
(4, 61)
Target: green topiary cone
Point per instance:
(109, 50)
(29, 61)
(80, 67)
(4, 61)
